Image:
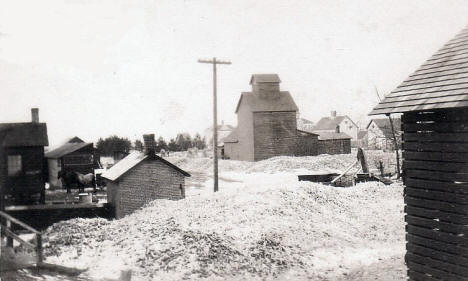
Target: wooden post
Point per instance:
(9, 240)
(40, 257)
(215, 120)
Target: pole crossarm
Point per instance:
(214, 60)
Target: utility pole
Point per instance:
(214, 62)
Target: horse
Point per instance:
(71, 179)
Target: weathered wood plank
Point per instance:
(423, 96)
(438, 235)
(436, 156)
(437, 249)
(444, 275)
(434, 263)
(420, 107)
(436, 166)
(437, 116)
(17, 238)
(437, 137)
(431, 223)
(436, 214)
(418, 276)
(435, 147)
(436, 175)
(436, 127)
(437, 195)
(436, 205)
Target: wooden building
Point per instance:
(142, 177)
(333, 143)
(22, 165)
(266, 122)
(434, 103)
(380, 136)
(75, 155)
(307, 144)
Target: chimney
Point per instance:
(35, 115)
(337, 129)
(333, 114)
(150, 144)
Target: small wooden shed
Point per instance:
(434, 103)
(141, 178)
(75, 155)
(22, 164)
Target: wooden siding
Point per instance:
(435, 169)
(342, 146)
(441, 82)
(275, 134)
(307, 145)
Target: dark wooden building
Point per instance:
(141, 178)
(434, 103)
(333, 143)
(266, 122)
(74, 155)
(22, 162)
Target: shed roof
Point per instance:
(256, 103)
(264, 78)
(332, 136)
(384, 125)
(23, 134)
(132, 160)
(441, 82)
(66, 148)
(305, 133)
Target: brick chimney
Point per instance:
(333, 114)
(337, 129)
(150, 144)
(35, 115)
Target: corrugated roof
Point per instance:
(332, 136)
(130, 161)
(23, 134)
(65, 149)
(384, 125)
(264, 78)
(284, 102)
(441, 82)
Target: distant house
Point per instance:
(379, 133)
(362, 139)
(342, 124)
(75, 155)
(143, 177)
(223, 131)
(22, 161)
(266, 122)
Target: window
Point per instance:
(14, 165)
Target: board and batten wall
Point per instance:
(435, 169)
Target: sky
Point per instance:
(96, 68)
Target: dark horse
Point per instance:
(71, 179)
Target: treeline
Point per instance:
(113, 144)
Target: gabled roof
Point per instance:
(384, 125)
(330, 123)
(65, 149)
(23, 134)
(441, 82)
(257, 104)
(132, 160)
(76, 139)
(332, 136)
(264, 78)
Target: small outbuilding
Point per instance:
(75, 155)
(22, 164)
(434, 104)
(142, 177)
(334, 143)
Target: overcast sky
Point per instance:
(96, 68)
